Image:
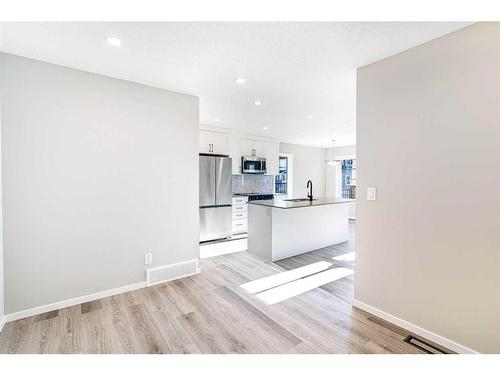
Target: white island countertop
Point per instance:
(285, 203)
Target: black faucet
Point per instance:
(310, 187)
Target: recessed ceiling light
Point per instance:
(113, 41)
(257, 103)
(301, 134)
(265, 128)
(309, 116)
(216, 119)
(240, 80)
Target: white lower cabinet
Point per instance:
(240, 226)
(239, 215)
(239, 200)
(240, 212)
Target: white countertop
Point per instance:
(282, 203)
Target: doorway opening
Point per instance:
(283, 181)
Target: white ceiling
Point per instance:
(296, 69)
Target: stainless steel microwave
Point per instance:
(252, 164)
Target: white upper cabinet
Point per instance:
(205, 146)
(220, 143)
(271, 151)
(236, 154)
(214, 143)
(253, 147)
(245, 146)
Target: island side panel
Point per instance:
(260, 231)
(300, 230)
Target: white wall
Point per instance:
(428, 137)
(345, 152)
(332, 181)
(2, 310)
(97, 171)
(308, 164)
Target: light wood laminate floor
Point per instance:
(212, 313)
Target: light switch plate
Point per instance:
(371, 193)
(148, 258)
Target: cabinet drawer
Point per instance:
(239, 215)
(240, 226)
(239, 200)
(240, 207)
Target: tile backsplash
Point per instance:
(249, 183)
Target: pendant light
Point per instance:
(330, 155)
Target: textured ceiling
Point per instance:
(295, 69)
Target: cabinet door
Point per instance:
(253, 147)
(258, 148)
(204, 141)
(246, 147)
(219, 143)
(271, 153)
(236, 154)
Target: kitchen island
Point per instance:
(279, 229)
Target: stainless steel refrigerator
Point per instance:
(215, 197)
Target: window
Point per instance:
(281, 180)
(349, 178)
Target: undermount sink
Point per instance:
(299, 200)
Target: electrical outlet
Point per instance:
(148, 258)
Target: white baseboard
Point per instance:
(76, 301)
(440, 340)
(2, 323)
(71, 302)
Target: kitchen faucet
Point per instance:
(310, 187)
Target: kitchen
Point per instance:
(241, 210)
(173, 191)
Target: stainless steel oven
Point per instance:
(252, 164)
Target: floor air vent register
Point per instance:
(423, 346)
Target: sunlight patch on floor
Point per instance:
(347, 257)
(284, 277)
(222, 248)
(294, 288)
